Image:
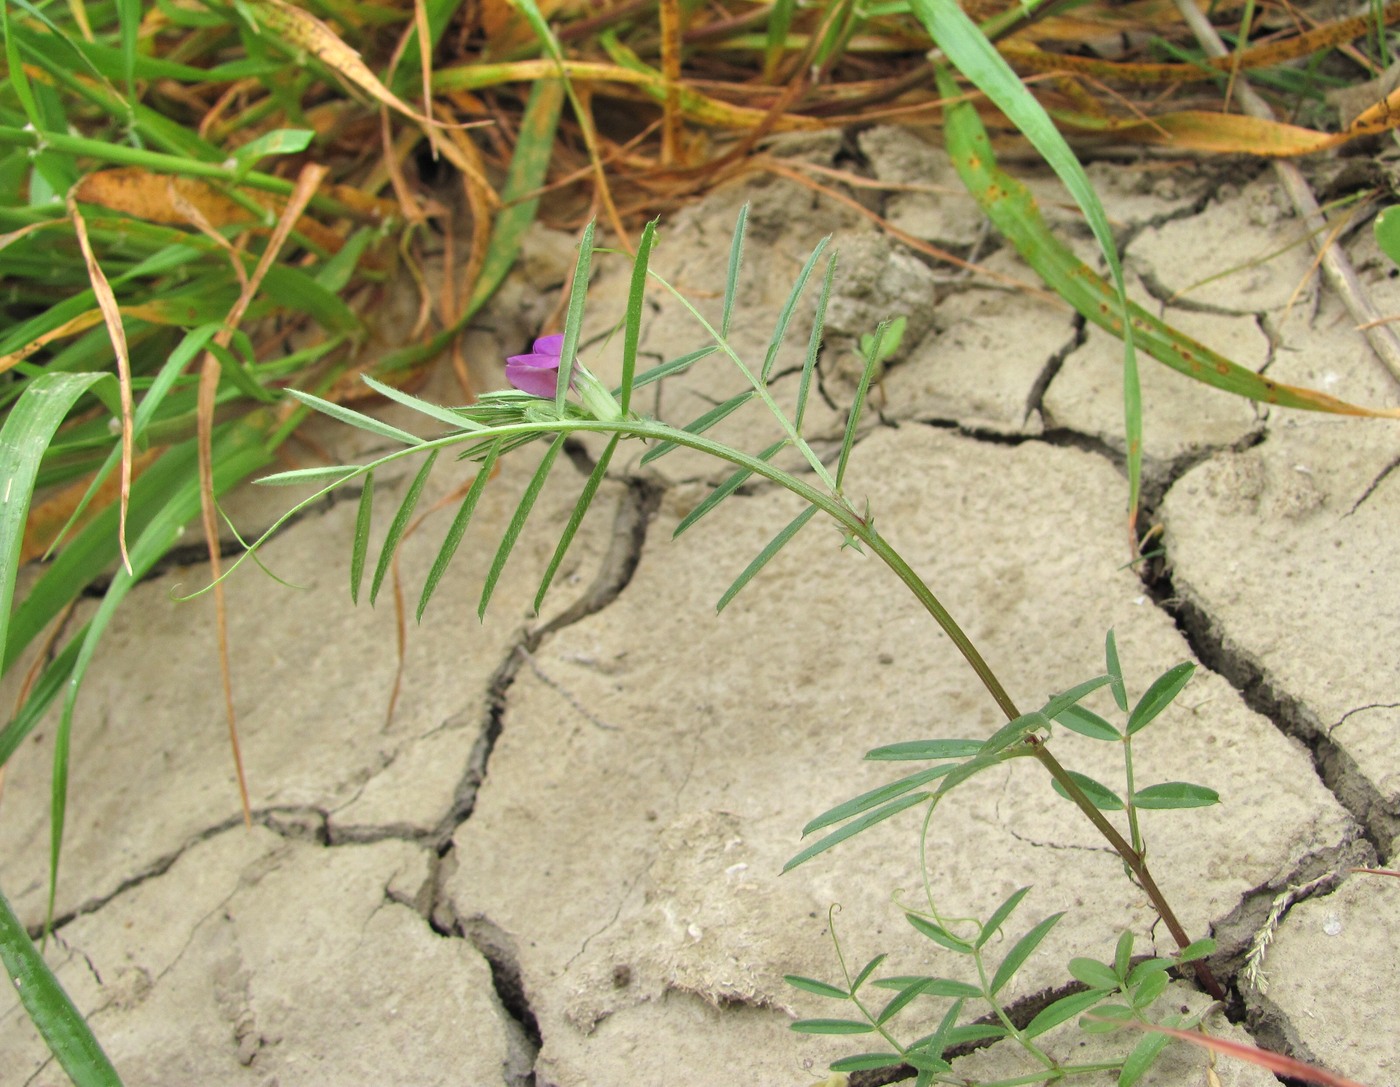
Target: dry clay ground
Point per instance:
(559, 863)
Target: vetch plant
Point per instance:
(555, 398)
(1138, 985)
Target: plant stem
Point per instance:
(1131, 858)
(1132, 791)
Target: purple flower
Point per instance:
(538, 372)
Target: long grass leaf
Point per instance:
(636, 301)
(517, 522)
(1010, 206)
(775, 545)
(398, 525)
(459, 526)
(17, 78)
(581, 507)
(129, 19)
(29, 428)
(534, 149)
(50, 684)
(63, 1028)
(240, 452)
(968, 49)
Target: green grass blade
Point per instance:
(872, 362)
(761, 560)
(573, 323)
(1010, 206)
(359, 547)
(68, 1036)
(736, 260)
(851, 829)
(29, 428)
(17, 79)
(968, 49)
(775, 342)
(517, 522)
(129, 18)
(775, 37)
(814, 345)
(355, 419)
(585, 500)
(701, 424)
(459, 526)
(398, 526)
(534, 148)
(235, 457)
(51, 682)
(632, 326)
(725, 489)
(144, 413)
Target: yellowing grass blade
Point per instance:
(1229, 133)
(1011, 207)
(303, 30)
(107, 302)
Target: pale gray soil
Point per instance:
(558, 863)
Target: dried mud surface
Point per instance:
(558, 863)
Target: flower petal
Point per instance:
(550, 345)
(525, 374)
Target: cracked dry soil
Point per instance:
(558, 863)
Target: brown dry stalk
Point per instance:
(1025, 55)
(1336, 267)
(307, 183)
